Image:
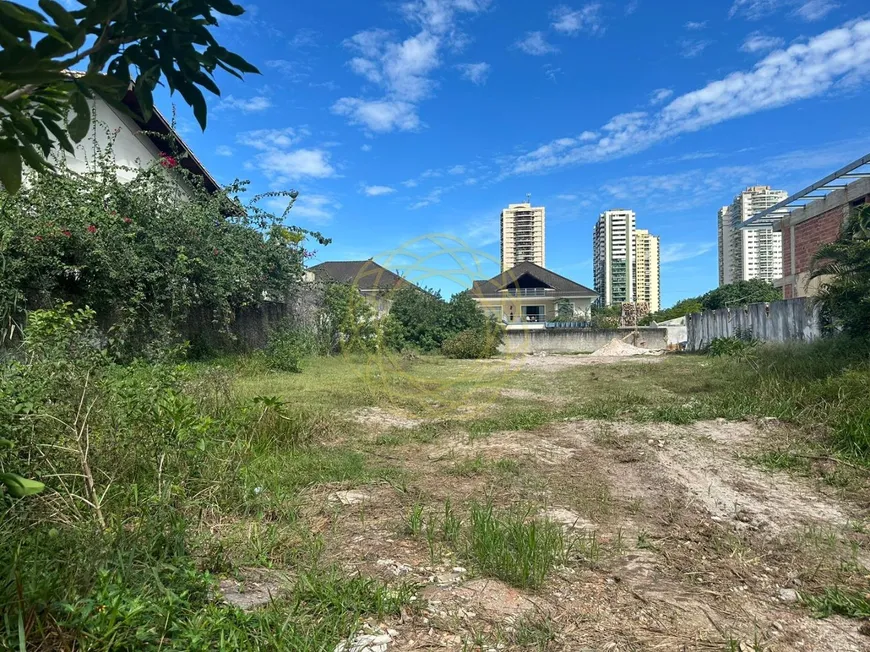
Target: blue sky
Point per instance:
(401, 119)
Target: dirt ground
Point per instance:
(693, 547)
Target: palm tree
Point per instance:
(844, 267)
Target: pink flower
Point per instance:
(38, 238)
(67, 233)
(215, 252)
(167, 160)
(92, 229)
(127, 220)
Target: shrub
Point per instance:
(741, 344)
(482, 342)
(287, 348)
(145, 259)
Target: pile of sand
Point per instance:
(616, 348)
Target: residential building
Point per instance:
(135, 143)
(747, 253)
(613, 256)
(522, 235)
(647, 278)
(375, 282)
(805, 227)
(528, 296)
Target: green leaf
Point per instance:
(10, 166)
(20, 487)
(58, 14)
(78, 126)
(237, 62)
(144, 88)
(193, 96)
(6, 443)
(228, 8)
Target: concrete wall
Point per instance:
(580, 340)
(780, 321)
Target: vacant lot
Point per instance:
(564, 503)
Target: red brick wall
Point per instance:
(787, 291)
(786, 250)
(809, 236)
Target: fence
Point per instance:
(580, 340)
(779, 321)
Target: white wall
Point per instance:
(132, 149)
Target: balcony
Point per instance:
(528, 292)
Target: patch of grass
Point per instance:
(513, 546)
(415, 520)
(532, 632)
(781, 461)
(479, 465)
(831, 601)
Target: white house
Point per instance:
(137, 143)
(528, 296)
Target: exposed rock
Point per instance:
(788, 595)
(350, 497)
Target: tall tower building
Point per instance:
(647, 279)
(522, 235)
(754, 252)
(613, 256)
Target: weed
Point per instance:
(532, 632)
(415, 520)
(451, 525)
(851, 604)
(512, 546)
(781, 461)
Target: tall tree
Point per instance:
(111, 44)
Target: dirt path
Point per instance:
(686, 545)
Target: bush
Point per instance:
(143, 258)
(287, 348)
(482, 342)
(735, 346)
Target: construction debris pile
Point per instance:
(616, 348)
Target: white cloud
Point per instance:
(279, 161)
(631, 7)
(433, 197)
(691, 48)
(815, 9)
(758, 42)
(366, 148)
(695, 26)
(660, 95)
(294, 70)
(677, 251)
(319, 209)
(379, 116)
(568, 197)
(457, 169)
(482, 232)
(573, 21)
(250, 105)
(411, 183)
(377, 191)
(403, 68)
(305, 38)
(535, 43)
(755, 9)
(802, 71)
(808, 10)
(223, 150)
(476, 73)
(551, 72)
(271, 138)
(295, 164)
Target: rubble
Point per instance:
(618, 349)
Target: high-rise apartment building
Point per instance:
(753, 252)
(613, 256)
(522, 235)
(647, 280)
